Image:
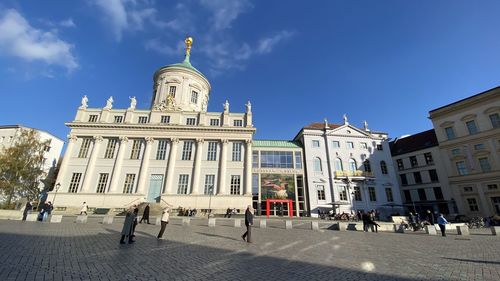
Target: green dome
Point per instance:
(185, 64)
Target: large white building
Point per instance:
(349, 169)
(468, 132)
(175, 151)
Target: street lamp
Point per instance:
(210, 191)
(58, 185)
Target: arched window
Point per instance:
(352, 165)
(317, 165)
(338, 164)
(368, 167)
(383, 167)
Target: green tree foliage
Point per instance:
(21, 166)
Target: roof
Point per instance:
(462, 100)
(185, 64)
(17, 126)
(414, 142)
(276, 143)
(321, 126)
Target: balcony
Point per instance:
(353, 174)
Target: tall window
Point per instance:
(187, 150)
(118, 119)
(438, 193)
(75, 182)
(372, 193)
(388, 193)
(209, 184)
(171, 90)
(214, 122)
(191, 121)
(485, 164)
(161, 152)
(364, 145)
(165, 119)
(93, 118)
(404, 180)
(315, 143)
(342, 193)
(238, 123)
(101, 184)
(433, 176)
(194, 97)
(383, 167)
(182, 187)
(84, 149)
(143, 120)
(212, 151)
(407, 196)
(380, 147)
(417, 177)
(450, 134)
(421, 194)
(413, 161)
(298, 160)
(350, 145)
(321, 192)
(235, 185)
(317, 165)
(471, 127)
(255, 159)
(352, 165)
(461, 168)
(473, 207)
(136, 149)
(110, 149)
(428, 158)
(368, 167)
(338, 164)
(236, 151)
(401, 166)
(128, 187)
(495, 120)
(357, 193)
(335, 144)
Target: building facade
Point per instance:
(348, 169)
(174, 152)
(468, 132)
(278, 177)
(422, 176)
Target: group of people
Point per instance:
(368, 219)
(230, 212)
(45, 210)
(187, 212)
(415, 221)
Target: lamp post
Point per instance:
(58, 185)
(210, 191)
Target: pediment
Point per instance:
(468, 117)
(196, 86)
(173, 80)
(348, 130)
(446, 124)
(492, 109)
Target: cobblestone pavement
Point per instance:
(70, 251)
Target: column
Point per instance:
(143, 174)
(115, 178)
(197, 167)
(222, 167)
(89, 173)
(248, 168)
(64, 165)
(172, 157)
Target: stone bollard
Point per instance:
(237, 222)
(211, 222)
(55, 218)
(288, 224)
(186, 221)
(107, 220)
(399, 228)
(315, 225)
(463, 230)
(81, 219)
(262, 223)
(430, 229)
(158, 221)
(495, 230)
(32, 217)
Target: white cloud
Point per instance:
(225, 11)
(115, 13)
(158, 46)
(67, 23)
(18, 38)
(267, 44)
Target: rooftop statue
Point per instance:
(109, 103)
(85, 101)
(133, 103)
(226, 107)
(249, 107)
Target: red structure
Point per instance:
(269, 201)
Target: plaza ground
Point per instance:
(70, 251)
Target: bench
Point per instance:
(101, 211)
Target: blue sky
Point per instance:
(387, 62)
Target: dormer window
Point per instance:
(194, 97)
(238, 123)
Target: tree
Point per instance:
(21, 166)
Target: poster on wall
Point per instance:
(277, 186)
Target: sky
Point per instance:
(298, 62)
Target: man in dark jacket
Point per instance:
(430, 217)
(247, 236)
(365, 218)
(145, 215)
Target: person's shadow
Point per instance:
(221, 236)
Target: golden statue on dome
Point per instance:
(189, 43)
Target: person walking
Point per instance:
(136, 214)
(372, 223)
(165, 216)
(247, 236)
(84, 208)
(365, 218)
(145, 215)
(27, 208)
(442, 222)
(228, 213)
(430, 217)
(128, 224)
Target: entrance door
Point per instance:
(154, 192)
(496, 204)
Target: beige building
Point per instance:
(468, 132)
(174, 152)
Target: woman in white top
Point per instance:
(165, 216)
